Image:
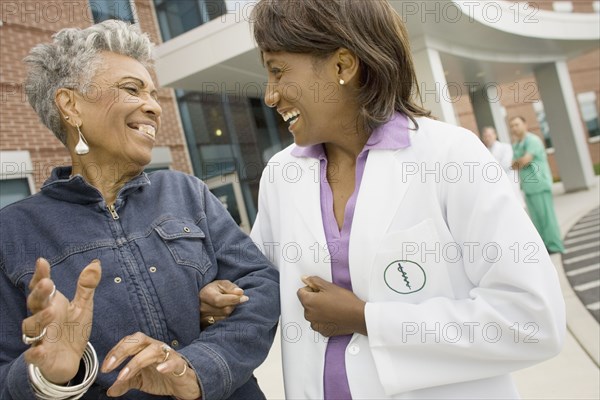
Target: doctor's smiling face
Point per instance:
(316, 96)
(337, 69)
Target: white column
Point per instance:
(488, 111)
(433, 85)
(566, 129)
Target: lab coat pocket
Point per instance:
(408, 267)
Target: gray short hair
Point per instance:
(71, 60)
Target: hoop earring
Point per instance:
(82, 147)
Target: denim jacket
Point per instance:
(166, 238)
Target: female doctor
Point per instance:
(408, 268)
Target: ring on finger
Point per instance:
(31, 340)
(210, 320)
(182, 372)
(167, 351)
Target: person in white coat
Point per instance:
(408, 269)
(503, 153)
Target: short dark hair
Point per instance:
(371, 29)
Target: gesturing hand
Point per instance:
(330, 309)
(154, 368)
(218, 300)
(68, 323)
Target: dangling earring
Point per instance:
(82, 148)
(342, 82)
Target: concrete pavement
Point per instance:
(573, 374)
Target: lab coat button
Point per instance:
(354, 349)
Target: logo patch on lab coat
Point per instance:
(404, 276)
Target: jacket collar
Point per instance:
(75, 189)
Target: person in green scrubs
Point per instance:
(530, 160)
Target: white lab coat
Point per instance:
(447, 315)
(503, 153)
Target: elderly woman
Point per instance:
(413, 271)
(127, 324)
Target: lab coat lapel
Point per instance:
(385, 182)
(307, 200)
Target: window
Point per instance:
(272, 131)
(231, 137)
(161, 159)
(12, 190)
(16, 176)
(589, 112)
(112, 9)
(177, 17)
(544, 128)
(563, 6)
(213, 138)
(228, 190)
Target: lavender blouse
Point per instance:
(393, 135)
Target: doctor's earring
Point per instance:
(82, 147)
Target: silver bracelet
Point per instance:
(46, 390)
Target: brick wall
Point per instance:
(579, 6)
(26, 23)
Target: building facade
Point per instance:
(29, 150)
(536, 59)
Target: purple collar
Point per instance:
(392, 135)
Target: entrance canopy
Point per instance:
(479, 41)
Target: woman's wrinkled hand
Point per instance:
(153, 368)
(67, 324)
(218, 300)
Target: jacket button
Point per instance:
(354, 349)
(186, 229)
(175, 344)
(118, 280)
(153, 269)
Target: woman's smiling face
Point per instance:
(119, 112)
(306, 92)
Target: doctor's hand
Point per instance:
(218, 300)
(68, 322)
(330, 309)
